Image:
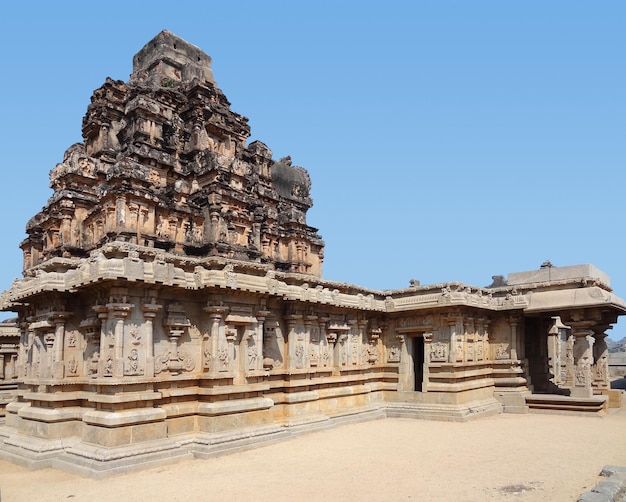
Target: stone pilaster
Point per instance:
(428, 340)
(469, 339)
(58, 365)
(212, 358)
(25, 341)
(514, 322)
(453, 325)
(46, 369)
(105, 362)
(312, 347)
(295, 343)
(150, 311)
(486, 344)
(326, 352)
(118, 312)
(353, 343)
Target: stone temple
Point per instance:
(172, 303)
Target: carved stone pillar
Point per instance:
(582, 359)
(150, 311)
(556, 358)
(600, 369)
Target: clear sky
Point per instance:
(446, 140)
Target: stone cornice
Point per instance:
(121, 261)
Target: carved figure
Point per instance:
(135, 336)
(108, 367)
(92, 364)
(299, 352)
(133, 362)
(438, 352)
(72, 366)
(253, 354)
(223, 358)
(502, 351)
(393, 355)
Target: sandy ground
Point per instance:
(507, 457)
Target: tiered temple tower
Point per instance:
(172, 303)
(164, 165)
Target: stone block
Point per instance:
(594, 497)
(554, 274)
(53, 430)
(107, 436)
(148, 432)
(181, 425)
(610, 470)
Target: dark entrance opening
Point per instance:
(536, 351)
(418, 362)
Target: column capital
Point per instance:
(150, 309)
(120, 310)
(216, 310)
(59, 317)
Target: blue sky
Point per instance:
(446, 140)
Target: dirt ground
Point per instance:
(507, 457)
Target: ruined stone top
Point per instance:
(168, 58)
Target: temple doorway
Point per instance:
(418, 362)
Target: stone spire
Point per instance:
(164, 163)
